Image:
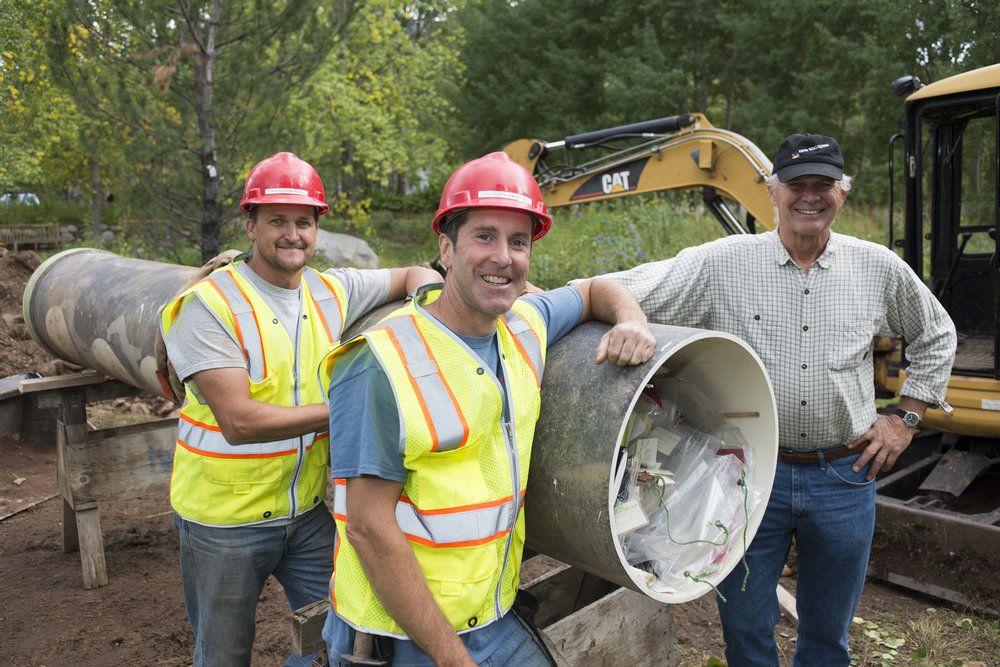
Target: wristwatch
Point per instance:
(910, 419)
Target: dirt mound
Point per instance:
(19, 353)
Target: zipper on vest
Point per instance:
(296, 400)
(515, 477)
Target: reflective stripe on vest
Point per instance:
(526, 341)
(245, 319)
(208, 440)
(444, 528)
(444, 417)
(327, 305)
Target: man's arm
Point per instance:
(629, 342)
(913, 313)
(243, 419)
(404, 281)
(394, 572)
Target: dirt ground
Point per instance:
(48, 619)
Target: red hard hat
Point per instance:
(283, 178)
(494, 181)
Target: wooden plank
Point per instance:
(307, 627)
(71, 538)
(624, 628)
(123, 462)
(88, 525)
(83, 379)
(941, 592)
(787, 603)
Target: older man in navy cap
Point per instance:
(809, 301)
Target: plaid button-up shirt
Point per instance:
(812, 330)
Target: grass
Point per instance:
(939, 638)
(590, 239)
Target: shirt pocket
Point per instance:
(852, 341)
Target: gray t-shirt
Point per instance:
(198, 341)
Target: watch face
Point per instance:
(911, 419)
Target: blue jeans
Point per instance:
(505, 642)
(830, 510)
(223, 571)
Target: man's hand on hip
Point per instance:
(887, 438)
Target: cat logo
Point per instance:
(625, 178)
(616, 182)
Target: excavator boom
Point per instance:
(676, 152)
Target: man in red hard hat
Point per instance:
(432, 415)
(249, 477)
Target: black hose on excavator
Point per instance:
(657, 126)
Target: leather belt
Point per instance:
(791, 456)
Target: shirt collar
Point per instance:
(781, 256)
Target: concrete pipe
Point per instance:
(572, 485)
(99, 310)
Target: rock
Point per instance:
(3, 251)
(107, 235)
(344, 250)
(29, 259)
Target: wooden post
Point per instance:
(95, 466)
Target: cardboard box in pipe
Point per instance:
(99, 310)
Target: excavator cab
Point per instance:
(938, 518)
(949, 230)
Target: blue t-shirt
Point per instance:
(364, 440)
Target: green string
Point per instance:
(661, 492)
(697, 578)
(746, 525)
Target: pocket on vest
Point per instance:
(241, 477)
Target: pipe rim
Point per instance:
(696, 335)
(29, 288)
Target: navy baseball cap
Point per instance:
(809, 155)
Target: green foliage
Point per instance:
(370, 117)
(547, 69)
(399, 239)
(193, 91)
(50, 211)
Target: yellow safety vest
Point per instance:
(219, 484)
(461, 504)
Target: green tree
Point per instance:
(374, 114)
(195, 87)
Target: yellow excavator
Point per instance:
(677, 152)
(941, 499)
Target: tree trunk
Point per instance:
(96, 198)
(211, 216)
(348, 181)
